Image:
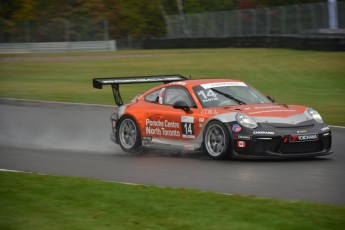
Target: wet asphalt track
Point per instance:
(73, 140)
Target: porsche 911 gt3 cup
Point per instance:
(222, 117)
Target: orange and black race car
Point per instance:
(222, 117)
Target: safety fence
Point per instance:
(293, 19)
(60, 34)
(54, 30)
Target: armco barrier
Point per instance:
(303, 42)
(42, 47)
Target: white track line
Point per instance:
(155, 186)
(9, 170)
(334, 126)
(124, 183)
(55, 102)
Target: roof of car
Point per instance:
(192, 83)
(205, 81)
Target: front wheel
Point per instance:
(129, 135)
(217, 140)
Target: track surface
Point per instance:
(73, 140)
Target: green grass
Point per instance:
(31, 201)
(312, 78)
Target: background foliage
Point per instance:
(127, 18)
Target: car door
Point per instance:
(165, 123)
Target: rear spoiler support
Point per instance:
(116, 93)
(115, 83)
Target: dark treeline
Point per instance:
(135, 18)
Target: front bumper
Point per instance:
(278, 143)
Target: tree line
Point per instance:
(134, 18)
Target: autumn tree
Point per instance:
(126, 18)
(141, 19)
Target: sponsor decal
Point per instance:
(325, 129)
(268, 107)
(222, 84)
(149, 79)
(188, 147)
(285, 139)
(114, 124)
(242, 137)
(301, 131)
(263, 133)
(210, 99)
(273, 111)
(301, 138)
(187, 123)
(236, 128)
(201, 119)
(162, 128)
(241, 144)
(209, 112)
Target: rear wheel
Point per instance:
(129, 134)
(217, 140)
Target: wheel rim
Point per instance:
(128, 133)
(215, 140)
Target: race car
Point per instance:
(222, 117)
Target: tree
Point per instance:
(17, 9)
(141, 19)
(198, 6)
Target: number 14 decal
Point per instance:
(187, 123)
(188, 128)
(210, 93)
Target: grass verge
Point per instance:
(32, 201)
(312, 78)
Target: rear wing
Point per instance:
(115, 83)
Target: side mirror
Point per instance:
(181, 105)
(271, 98)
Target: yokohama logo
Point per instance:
(309, 137)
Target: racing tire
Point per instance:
(128, 134)
(217, 141)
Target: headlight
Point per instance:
(315, 115)
(246, 121)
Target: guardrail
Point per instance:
(43, 47)
(302, 42)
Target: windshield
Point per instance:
(228, 94)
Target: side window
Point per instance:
(177, 93)
(153, 97)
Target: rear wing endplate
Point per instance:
(115, 83)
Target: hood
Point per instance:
(271, 110)
(276, 113)
(271, 113)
